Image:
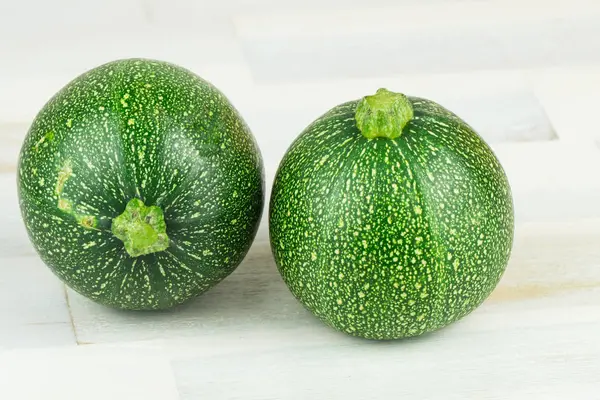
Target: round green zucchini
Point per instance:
(140, 185)
(390, 217)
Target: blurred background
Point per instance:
(524, 73)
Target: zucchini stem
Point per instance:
(383, 115)
(141, 228)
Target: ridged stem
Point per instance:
(141, 228)
(383, 114)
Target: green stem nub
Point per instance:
(383, 114)
(142, 229)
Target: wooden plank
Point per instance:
(87, 372)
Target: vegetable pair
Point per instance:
(141, 187)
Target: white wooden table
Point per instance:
(529, 81)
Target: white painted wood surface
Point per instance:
(81, 372)
(528, 80)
